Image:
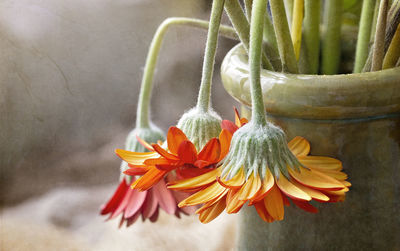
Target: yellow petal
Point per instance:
(135, 158)
(274, 203)
(335, 174)
(212, 212)
(250, 188)
(299, 146)
(315, 194)
(346, 183)
(321, 163)
(233, 204)
(236, 181)
(267, 184)
(315, 179)
(195, 182)
(291, 190)
(203, 196)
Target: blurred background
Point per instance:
(69, 81)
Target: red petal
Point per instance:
(154, 217)
(211, 151)
(136, 170)
(135, 203)
(121, 207)
(306, 206)
(116, 199)
(202, 163)
(164, 197)
(174, 139)
(187, 152)
(229, 126)
(150, 205)
(132, 219)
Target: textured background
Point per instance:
(69, 80)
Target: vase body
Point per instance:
(354, 118)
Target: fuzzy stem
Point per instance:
(203, 101)
(256, 35)
(331, 38)
(297, 21)
(364, 34)
(242, 26)
(285, 45)
(393, 53)
(311, 36)
(379, 43)
(142, 119)
(248, 4)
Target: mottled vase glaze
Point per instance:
(355, 118)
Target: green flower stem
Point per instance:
(248, 4)
(393, 53)
(297, 21)
(203, 101)
(331, 37)
(256, 36)
(142, 119)
(289, 10)
(285, 45)
(364, 34)
(311, 38)
(379, 43)
(239, 21)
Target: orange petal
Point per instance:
(236, 182)
(136, 170)
(225, 141)
(195, 182)
(233, 204)
(346, 183)
(334, 174)
(229, 126)
(174, 138)
(262, 212)
(164, 152)
(145, 144)
(134, 157)
(149, 179)
(212, 212)
(266, 186)
(299, 146)
(274, 203)
(203, 196)
(237, 117)
(187, 152)
(211, 151)
(291, 190)
(321, 163)
(250, 187)
(315, 194)
(315, 179)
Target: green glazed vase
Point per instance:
(355, 118)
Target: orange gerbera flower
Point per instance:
(319, 179)
(181, 155)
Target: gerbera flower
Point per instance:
(180, 155)
(132, 203)
(245, 177)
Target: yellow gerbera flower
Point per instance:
(318, 178)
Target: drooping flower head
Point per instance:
(179, 155)
(263, 170)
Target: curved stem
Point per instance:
(203, 101)
(256, 36)
(364, 34)
(393, 53)
(285, 45)
(142, 119)
(242, 26)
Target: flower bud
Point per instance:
(200, 126)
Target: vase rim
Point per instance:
(341, 96)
